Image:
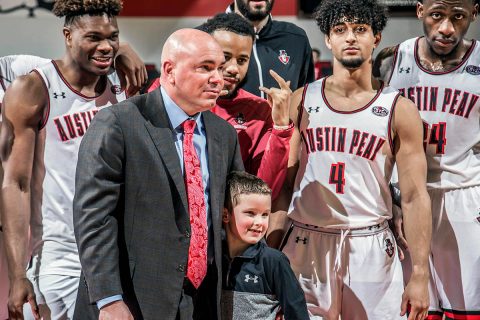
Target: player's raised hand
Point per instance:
(279, 100)
(131, 69)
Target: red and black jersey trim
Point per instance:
(464, 59)
(300, 112)
(461, 315)
(324, 97)
(2, 83)
(434, 315)
(390, 124)
(71, 88)
(46, 113)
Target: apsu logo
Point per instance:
(473, 70)
(240, 120)
(389, 249)
(379, 111)
(283, 57)
(116, 89)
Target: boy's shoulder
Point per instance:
(271, 255)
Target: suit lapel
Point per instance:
(161, 133)
(216, 165)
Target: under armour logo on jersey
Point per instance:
(389, 250)
(249, 277)
(58, 95)
(311, 109)
(298, 239)
(283, 57)
(406, 70)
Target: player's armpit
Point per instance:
(384, 63)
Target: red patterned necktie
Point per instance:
(197, 252)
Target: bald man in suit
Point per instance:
(132, 214)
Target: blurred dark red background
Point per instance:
(193, 8)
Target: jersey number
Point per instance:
(337, 176)
(438, 137)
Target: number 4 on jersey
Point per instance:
(438, 133)
(337, 176)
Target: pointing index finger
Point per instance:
(281, 82)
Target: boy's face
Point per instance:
(248, 222)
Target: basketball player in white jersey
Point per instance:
(350, 131)
(132, 72)
(45, 114)
(440, 73)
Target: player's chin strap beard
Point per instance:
(340, 247)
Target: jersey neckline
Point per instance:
(464, 59)
(73, 89)
(324, 97)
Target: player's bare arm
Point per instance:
(22, 111)
(417, 218)
(131, 69)
(278, 220)
(383, 64)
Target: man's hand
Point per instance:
(279, 100)
(117, 310)
(131, 69)
(21, 292)
(397, 227)
(416, 295)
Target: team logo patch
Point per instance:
(380, 111)
(389, 249)
(474, 70)
(283, 57)
(116, 89)
(240, 120)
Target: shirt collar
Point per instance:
(176, 115)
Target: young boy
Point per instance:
(258, 282)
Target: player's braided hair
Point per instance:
(70, 9)
(228, 22)
(333, 12)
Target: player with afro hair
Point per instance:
(71, 9)
(333, 12)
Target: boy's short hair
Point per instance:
(231, 22)
(71, 9)
(238, 183)
(332, 12)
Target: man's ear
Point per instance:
(67, 33)
(378, 38)
(168, 69)
(225, 216)
(327, 42)
(420, 10)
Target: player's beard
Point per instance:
(254, 15)
(354, 63)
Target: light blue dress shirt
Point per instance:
(177, 116)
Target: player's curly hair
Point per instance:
(70, 9)
(228, 22)
(332, 12)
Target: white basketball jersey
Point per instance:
(65, 121)
(346, 161)
(12, 67)
(449, 104)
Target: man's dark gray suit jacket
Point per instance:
(130, 207)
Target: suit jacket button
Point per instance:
(187, 234)
(181, 268)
